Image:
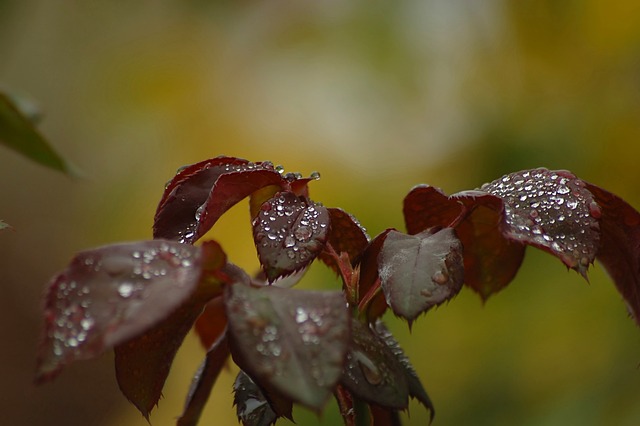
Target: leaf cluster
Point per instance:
(303, 347)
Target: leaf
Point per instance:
(252, 406)
(110, 294)
(204, 380)
(372, 372)
(212, 322)
(290, 340)
(491, 260)
(416, 390)
(346, 235)
(619, 249)
(4, 225)
(199, 194)
(371, 300)
(143, 362)
(551, 210)
(18, 133)
(289, 232)
(420, 271)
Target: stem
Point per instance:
(362, 412)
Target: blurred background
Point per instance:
(377, 96)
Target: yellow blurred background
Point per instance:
(377, 96)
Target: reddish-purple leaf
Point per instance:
(370, 297)
(289, 232)
(212, 322)
(551, 210)
(420, 271)
(620, 245)
(373, 372)
(346, 236)
(143, 362)
(199, 194)
(490, 260)
(204, 380)
(290, 340)
(111, 294)
(252, 406)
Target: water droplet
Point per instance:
(289, 241)
(303, 233)
(440, 277)
(315, 175)
(126, 289)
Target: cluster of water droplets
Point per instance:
(93, 292)
(288, 231)
(551, 209)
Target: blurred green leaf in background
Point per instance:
(18, 132)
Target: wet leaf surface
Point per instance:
(143, 362)
(252, 406)
(111, 294)
(289, 232)
(18, 133)
(373, 372)
(199, 194)
(204, 380)
(420, 271)
(620, 246)
(371, 300)
(294, 341)
(551, 210)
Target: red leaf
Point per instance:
(420, 271)
(289, 232)
(345, 236)
(490, 260)
(204, 380)
(620, 245)
(111, 294)
(290, 340)
(199, 194)
(551, 210)
(212, 322)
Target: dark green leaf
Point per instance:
(18, 133)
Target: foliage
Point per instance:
(17, 131)
(295, 346)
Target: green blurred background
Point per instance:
(377, 96)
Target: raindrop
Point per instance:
(303, 233)
(126, 289)
(289, 241)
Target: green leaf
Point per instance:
(18, 133)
